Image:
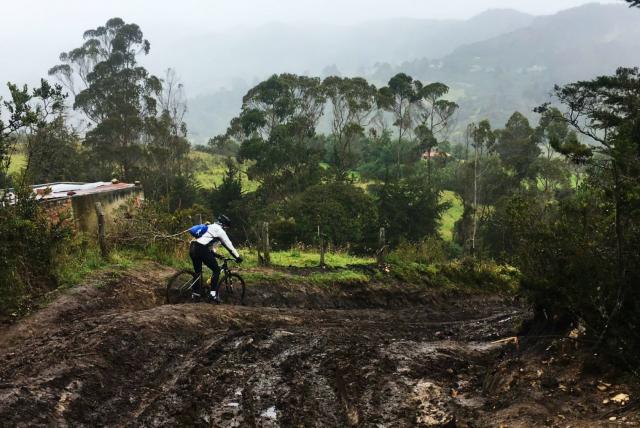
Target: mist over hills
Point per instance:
(497, 62)
(250, 53)
(228, 65)
(517, 70)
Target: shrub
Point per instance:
(430, 250)
(29, 250)
(409, 209)
(345, 215)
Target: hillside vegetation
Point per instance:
(502, 61)
(453, 229)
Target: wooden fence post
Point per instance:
(265, 244)
(102, 240)
(323, 249)
(382, 247)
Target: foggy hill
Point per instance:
(496, 63)
(517, 70)
(237, 61)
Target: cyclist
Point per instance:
(203, 250)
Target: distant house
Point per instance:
(78, 200)
(435, 154)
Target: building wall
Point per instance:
(84, 207)
(60, 209)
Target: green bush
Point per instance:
(345, 214)
(430, 262)
(409, 209)
(30, 247)
(430, 250)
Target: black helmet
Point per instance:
(223, 220)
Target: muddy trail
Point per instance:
(111, 353)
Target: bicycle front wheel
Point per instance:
(179, 287)
(232, 289)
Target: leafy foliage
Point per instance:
(277, 129)
(343, 214)
(517, 146)
(31, 243)
(408, 209)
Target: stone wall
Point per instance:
(82, 208)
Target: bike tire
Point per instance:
(178, 287)
(232, 290)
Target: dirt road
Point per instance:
(115, 355)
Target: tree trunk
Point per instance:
(475, 203)
(102, 240)
(265, 244)
(323, 249)
(382, 246)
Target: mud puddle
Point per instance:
(115, 356)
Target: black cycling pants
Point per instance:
(202, 254)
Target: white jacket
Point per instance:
(215, 235)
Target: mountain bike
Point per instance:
(231, 290)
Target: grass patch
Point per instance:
(77, 266)
(210, 170)
(451, 216)
(86, 259)
(338, 278)
(460, 274)
(18, 162)
(307, 259)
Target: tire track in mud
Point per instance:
(130, 362)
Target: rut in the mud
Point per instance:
(116, 356)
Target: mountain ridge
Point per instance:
(508, 65)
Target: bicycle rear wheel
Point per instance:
(179, 287)
(232, 289)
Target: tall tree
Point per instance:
(400, 97)
(483, 142)
(118, 93)
(517, 146)
(277, 127)
(552, 133)
(607, 110)
(353, 102)
(435, 117)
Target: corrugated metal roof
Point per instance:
(65, 190)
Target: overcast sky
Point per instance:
(29, 16)
(34, 32)
(21, 15)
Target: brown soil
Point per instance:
(111, 353)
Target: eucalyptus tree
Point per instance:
(553, 133)
(517, 146)
(435, 117)
(277, 130)
(114, 92)
(353, 104)
(607, 111)
(400, 98)
(483, 142)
